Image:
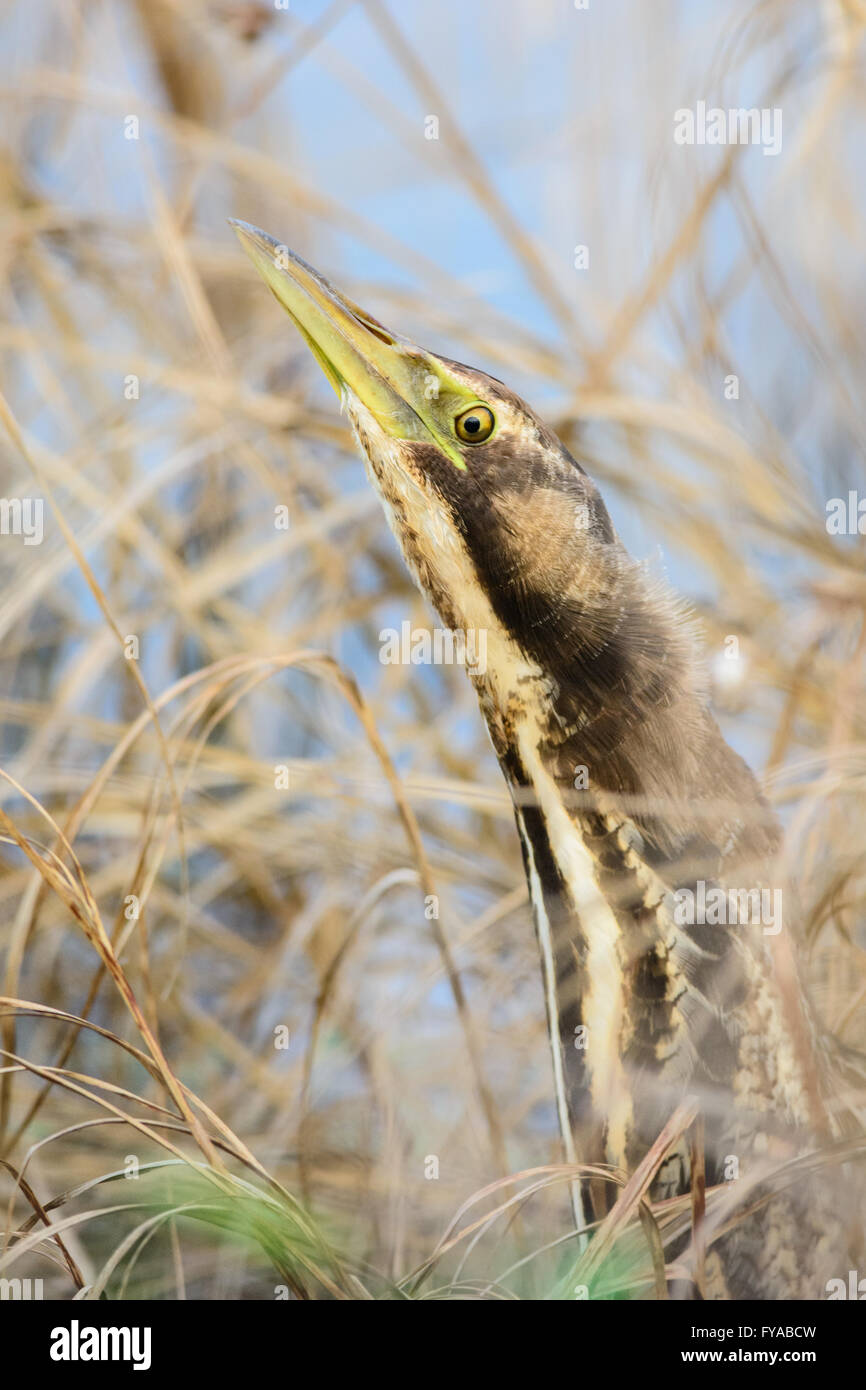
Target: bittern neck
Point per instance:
(624, 791)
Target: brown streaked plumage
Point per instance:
(626, 795)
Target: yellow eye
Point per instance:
(475, 424)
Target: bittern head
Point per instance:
(497, 522)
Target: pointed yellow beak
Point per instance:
(388, 374)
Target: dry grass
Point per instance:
(166, 909)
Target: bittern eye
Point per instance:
(475, 424)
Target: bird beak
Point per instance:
(389, 375)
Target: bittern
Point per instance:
(625, 793)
